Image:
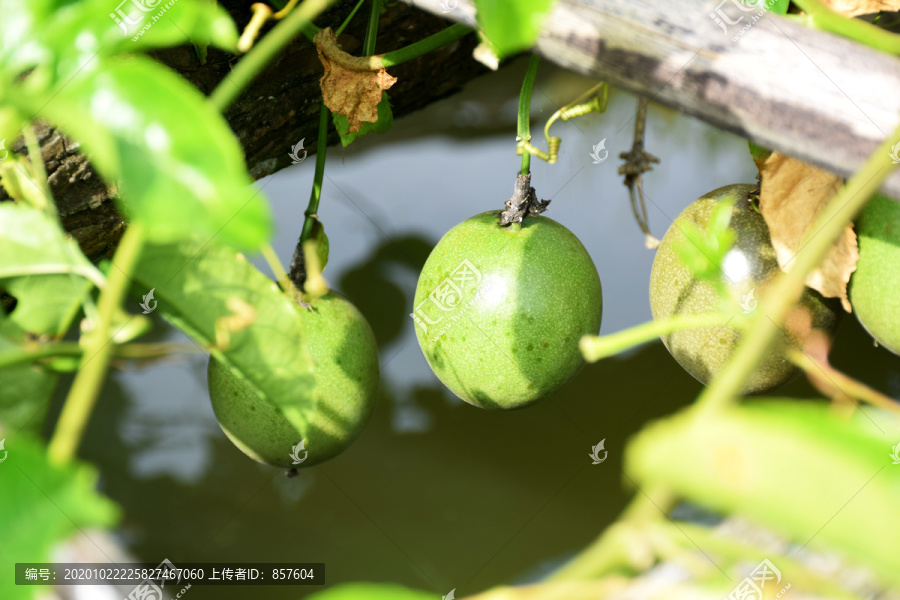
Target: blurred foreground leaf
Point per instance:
(796, 467)
(43, 505)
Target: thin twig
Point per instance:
(638, 162)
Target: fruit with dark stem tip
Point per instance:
(499, 310)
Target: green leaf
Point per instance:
(197, 285)
(43, 268)
(65, 36)
(180, 167)
(385, 121)
(511, 27)
(795, 466)
(704, 251)
(43, 505)
(25, 389)
(372, 591)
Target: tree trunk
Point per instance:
(276, 111)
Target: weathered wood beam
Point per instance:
(811, 94)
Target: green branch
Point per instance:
(98, 349)
(596, 347)
(424, 46)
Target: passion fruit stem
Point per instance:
(523, 202)
(524, 123)
(298, 267)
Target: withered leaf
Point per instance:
(352, 85)
(852, 8)
(792, 195)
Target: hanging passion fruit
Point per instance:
(499, 310)
(748, 268)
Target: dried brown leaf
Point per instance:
(852, 8)
(792, 195)
(352, 85)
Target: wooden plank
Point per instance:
(811, 94)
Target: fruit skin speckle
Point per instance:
(750, 265)
(521, 297)
(875, 286)
(345, 357)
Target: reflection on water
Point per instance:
(435, 494)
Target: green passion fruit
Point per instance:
(748, 269)
(875, 285)
(499, 310)
(345, 362)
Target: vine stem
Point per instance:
(349, 18)
(787, 288)
(424, 46)
(372, 29)
(314, 196)
(593, 347)
(98, 348)
(262, 53)
(524, 123)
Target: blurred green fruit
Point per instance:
(499, 310)
(875, 286)
(748, 268)
(345, 358)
